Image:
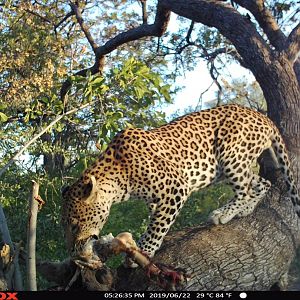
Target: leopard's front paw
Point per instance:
(221, 216)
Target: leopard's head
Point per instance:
(85, 210)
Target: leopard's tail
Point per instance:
(283, 161)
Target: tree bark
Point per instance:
(246, 254)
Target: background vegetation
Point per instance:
(42, 43)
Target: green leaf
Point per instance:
(97, 80)
(59, 127)
(3, 106)
(44, 100)
(3, 117)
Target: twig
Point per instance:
(83, 27)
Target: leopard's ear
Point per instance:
(91, 190)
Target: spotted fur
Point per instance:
(165, 165)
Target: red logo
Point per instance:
(8, 296)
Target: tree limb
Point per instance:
(83, 27)
(144, 11)
(230, 23)
(156, 29)
(249, 253)
(292, 47)
(38, 15)
(266, 21)
(66, 17)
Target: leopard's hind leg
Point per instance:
(248, 188)
(258, 189)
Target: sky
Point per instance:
(195, 83)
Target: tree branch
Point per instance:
(38, 15)
(188, 35)
(83, 27)
(292, 47)
(249, 253)
(234, 26)
(144, 11)
(66, 17)
(266, 21)
(156, 29)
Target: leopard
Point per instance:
(164, 165)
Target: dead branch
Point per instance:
(31, 237)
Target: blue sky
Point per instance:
(196, 82)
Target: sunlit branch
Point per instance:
(83, 27)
